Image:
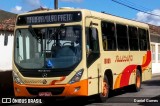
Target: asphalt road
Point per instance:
(148, 96)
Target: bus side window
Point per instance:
(108, 36)
(92, 40)
(133, 38)
(142, 39)
(122, 38)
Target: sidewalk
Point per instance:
(156, 74)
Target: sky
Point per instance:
(108, 6)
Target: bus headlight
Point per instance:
(16, 78)
(76, 77)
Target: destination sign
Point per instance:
(49, 18)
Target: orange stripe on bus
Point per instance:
(144, 59)
(117, 83)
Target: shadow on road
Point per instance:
(6, 83)
(81, 101)
(120, 91)
(154, 82)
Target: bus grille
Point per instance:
(54, 91)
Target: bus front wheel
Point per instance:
(102, 97)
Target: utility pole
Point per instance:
(55, 4)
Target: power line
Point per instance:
(135, 8)
(134, 5)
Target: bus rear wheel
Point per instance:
(138, 80)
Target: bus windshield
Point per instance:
(48, 48)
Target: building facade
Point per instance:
(6, 51)
(155, 48)
(7, 22)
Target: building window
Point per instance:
(159, 53)
(153, 52)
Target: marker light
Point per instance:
(16, 78)
(76, 77)
(77, 89)
(18, 90)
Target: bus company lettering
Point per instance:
(124, 58)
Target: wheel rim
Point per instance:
(105, 89)
(138, 81)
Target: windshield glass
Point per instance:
(48, 48)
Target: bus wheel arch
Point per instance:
(109, 75)
(103, 95)
(107, 83)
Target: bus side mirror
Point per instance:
(5, 40)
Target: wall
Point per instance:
(6, 51)
(155, 41)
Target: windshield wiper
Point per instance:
(56, 33)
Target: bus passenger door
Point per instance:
(92, 55)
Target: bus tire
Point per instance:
(137, 85)
(102, 97)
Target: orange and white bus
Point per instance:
(78, 52)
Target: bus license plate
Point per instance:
(45, 94)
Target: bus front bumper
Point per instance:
(77, 89)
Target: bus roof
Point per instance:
(94, 14)
(116, 19)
